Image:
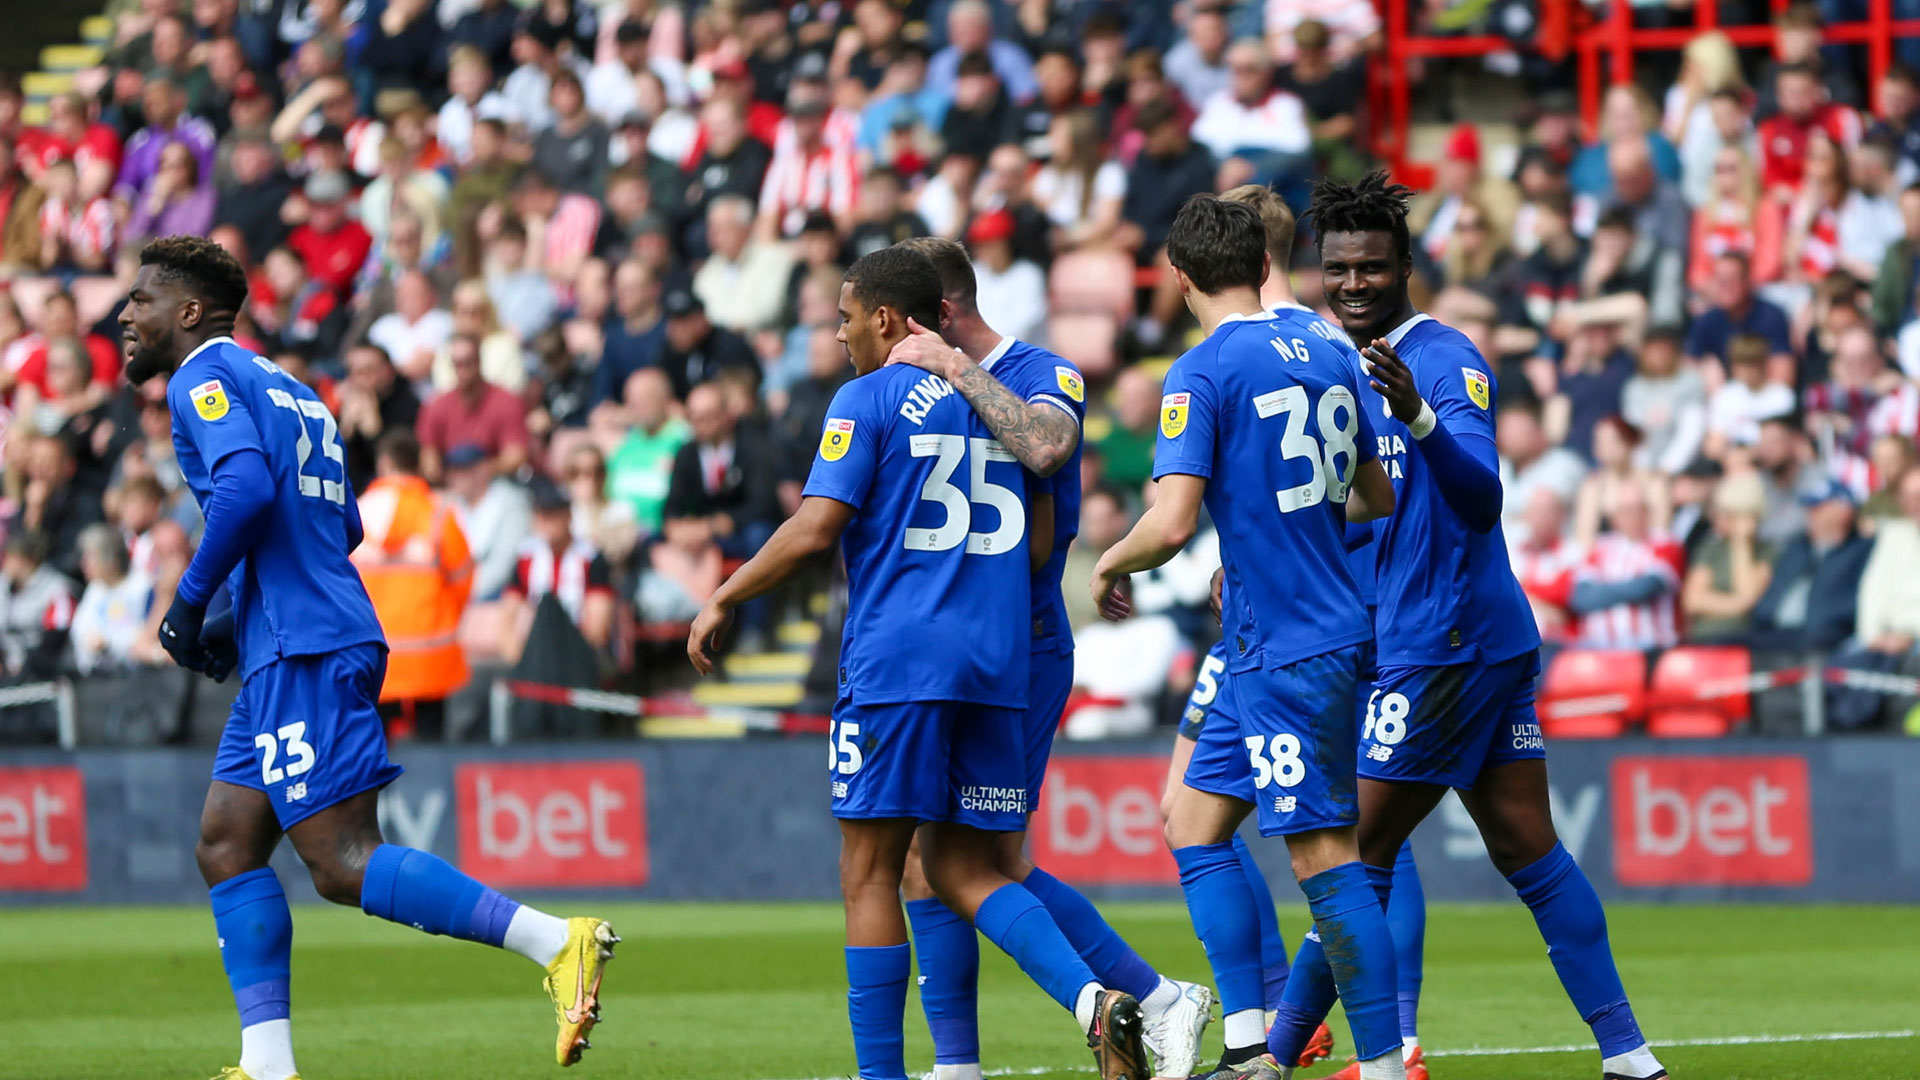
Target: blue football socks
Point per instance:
(1359, 953)
(1574, 926)
(421, 890)
(877, 1007)
(1407, 918)
(1273, 947)
(256, 944)
(1013, 919)
(1309, 996)
(948, 952)
(1222, 908)
(1107, 955)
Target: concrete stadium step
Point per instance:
(97, 30)
(799, 633)
(792, 664)
(34, 113)
(748, 694)
(690, 727)
(71, 57)
(45, 84)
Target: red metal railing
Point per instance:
(1603, 51)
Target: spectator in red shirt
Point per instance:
(332, 246)
(1544, 562)
(474, 411)
(68, 137)
(1804, 109)
(1626, 593)
(61, 319)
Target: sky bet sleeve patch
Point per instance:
(1476, 386)
(1070, 383)
(834, 439)
(1173, 415)
(210, 400)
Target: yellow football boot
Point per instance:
(573, 982)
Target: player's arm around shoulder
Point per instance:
(1042, 436)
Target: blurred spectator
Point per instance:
(725, 477)
(520, 292)
(1120, 669)
(742, 285)
(416, 330)
(1735, 411)
(573, 149)
(1891, 459)
(1659, 211)
(554, 561)
(1889, 594)
(475, 412)
(1528, 462)
(502, 361)
(1893, 284)
(970, 32)
(163, 105)
(1331, 89)
(419, 575)
(1813, 600)
(255, 194)
(471, 101)
(374, 400)
(495, 516)
(52, 506)
(59, 321)
(563, 380)
(1870, 219)
(1170, 169)
(1477, 256)
(881, 219)
(808, 172)
(487, 28)
(808, 399)
(634, 335)
(1589, 386)
(1006, 185)
(332, 246)
(1128, 445)
(640, 472)
(19, 214)
(1784, 137)
(1623, 263)
(1736, 310)
(980, 114)
(1705, 112)
(732, 163)
(1458, 180)
(1897, 119)
(697, 350)
(1733, 567)
(1730, 219)
(1012, 292)
(609, 524)
(1838, 410)
(68, 394)
(1614, 444)
(1548, 280)
(110, 621)
(403, 191)
(1625, 593)
(1079, 188)
(403, 51)
(1693, 491)
(1627, 116)
(36, 609)
(560, 227)
(1353, 24)
(1197, 63)
(289, 309)
(69, 135)
(1263, 128)
(539, 56)
(1666, 401)
(77, 231)
(610, 86)
(1790, 473)
(1544, 562)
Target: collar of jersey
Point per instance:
(1258, 316)
(999, 350)
(1394, 335)
(205, 345)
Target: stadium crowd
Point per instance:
(567, 276)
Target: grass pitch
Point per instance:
(756, 992)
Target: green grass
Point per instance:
(756, 992)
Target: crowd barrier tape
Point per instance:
(1834, 819)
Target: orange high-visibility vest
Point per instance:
(417, 569)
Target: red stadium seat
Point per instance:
(1088, 281)
(1090, 339)
(1593, 693)
(1699, 691)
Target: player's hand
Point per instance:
(1215, 601)
(1114, 593)
(924, 349)
(703, 641)
(219, 650)
(1391, 378)
(180, 633)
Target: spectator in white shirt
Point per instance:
(470, 79)
(1012, 292)
(612, 85)
(1265, 128)
(415, 329)
(1870, 218)
(1736, 409)
(1080, 190)
(743, 284)
(1355, 25)
(1198, 63)
(110, 620)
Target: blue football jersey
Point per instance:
(294, 593)
(1447, 594)
(1036, 375)
(1266, 409)
(937, 574)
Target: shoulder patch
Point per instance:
(1070, 383)
(835, 438)
(1173, 415)
(1477, 388)
(210, 400)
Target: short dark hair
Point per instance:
(1901, 73)
(957, 283)
(202, 266)
(30, 543)
(402, 447)
(1369, 204)
(1797, 68)
(1218, 244)
(974, 63)
(900, 278)
(1619, 217)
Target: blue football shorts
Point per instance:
(306, 730)
(1298, 728)
(948, 761)
(1219, 763)
(1049, 682)
(1448, 724)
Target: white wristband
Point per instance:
(1423, 424)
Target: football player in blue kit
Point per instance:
(304, 753)
(1033, 400)
(930, 511)
(1453, 703)
(1260, 422)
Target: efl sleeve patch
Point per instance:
(835, 438)
(1477, 388)
(1173, 414)
(1070, 383)
(210, 400)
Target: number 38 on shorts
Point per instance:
(1275, 762)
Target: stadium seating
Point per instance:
(1090, 339)
(1593, 693)
(1699, 692)
(1092, 281)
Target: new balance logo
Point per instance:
(1284, 804)
(296, 792)
(839, 789)
(1376, 752)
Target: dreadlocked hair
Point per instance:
(203, 266)
(1370, 204)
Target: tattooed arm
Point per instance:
(1042, 436)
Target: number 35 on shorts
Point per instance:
(1275, 763)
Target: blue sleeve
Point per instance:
(356, 530)
(212, 415)
(242, 495)
(1460, 449)
(849, 454)
(1058, 384)
(1189, 411)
